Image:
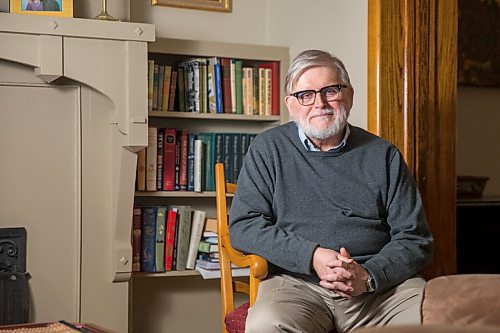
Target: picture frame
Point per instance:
(211, 5)
(62, 8)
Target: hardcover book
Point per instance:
(161, 213)
(136, 239)
(151, 159)
(170, 147)
(197, 225)
(183, 236)
(170, 238)
(148, 239)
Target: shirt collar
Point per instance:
(309, 145)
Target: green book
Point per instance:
(160, 239)
(239, 85)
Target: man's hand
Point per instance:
(339, 272)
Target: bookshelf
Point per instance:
(171, 51)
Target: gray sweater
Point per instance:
(290, 200)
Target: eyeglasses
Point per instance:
(328, 93)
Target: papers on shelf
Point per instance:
(215, 274)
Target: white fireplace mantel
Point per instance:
(102, 67)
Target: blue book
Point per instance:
(148, 239)
(218, 88)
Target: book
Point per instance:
(166, 87)
(170, 238)
(183, 236)
(232, 72)
(218, 87)
(197, 224)
(198, 165)
(161, 213)
(262, 91)
(151, 68)
(183, 161)
(161, 81)
(225, 64)
(148, 239)
(170, 147)
(209, 160)
(207, 247)
(136, 239)
(210, 225)
(173, 86)
(141, 170)
(177, 171)
(151, 159)
(274, 67)
(227, 156)
(238, 81)
(268, 96)
(212, 84)
(190, 161)
(159, 159)
(155, 86)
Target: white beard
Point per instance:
(321, 133)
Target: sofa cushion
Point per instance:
(464, 299)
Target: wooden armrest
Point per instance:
(257, 264)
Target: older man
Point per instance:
(335, 211)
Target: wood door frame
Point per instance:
(412, 89)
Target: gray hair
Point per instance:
(313, 58)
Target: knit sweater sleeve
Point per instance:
(252, 224)
(411, 245)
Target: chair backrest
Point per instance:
(228, 255)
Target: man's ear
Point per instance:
(288, 101)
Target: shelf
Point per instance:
(175, 194)
(189, 272)
(213, 116)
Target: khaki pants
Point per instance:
(288, 304)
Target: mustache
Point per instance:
(323, 112)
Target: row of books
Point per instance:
(178, 160)
(215, 85)
(167, 238)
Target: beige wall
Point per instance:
(478, 135)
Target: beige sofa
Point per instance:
(456, 303)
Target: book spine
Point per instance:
(190, 162)
(151, 69)
(141, 170)
(159, 159)
(177, 172)
(228, 157)
(169, 238)
(170, 147)
(166, 87)
(198, 165)
(238, 80)
(173, 91)
(151, 156)
(226, 84)
(183, 236)
(183, 168)
(212, 100)
(148, 239)
(196, 232)
(155, 87)
(136, 239)
(161, 81)
(161, 213)
(218, 87)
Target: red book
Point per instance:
(183, 180)
(225, 64)
(169, 142)
(275, 85)
(136, 239)
(169, 238)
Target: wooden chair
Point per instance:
(233, 320)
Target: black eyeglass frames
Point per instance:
(328, 93)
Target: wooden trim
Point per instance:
(412, 58)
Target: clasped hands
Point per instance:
(339, 272)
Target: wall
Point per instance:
(478, 133)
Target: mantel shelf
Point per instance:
(213, 116)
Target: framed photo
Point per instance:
(42, 7)
(213, 5)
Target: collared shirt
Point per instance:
(310, 146)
